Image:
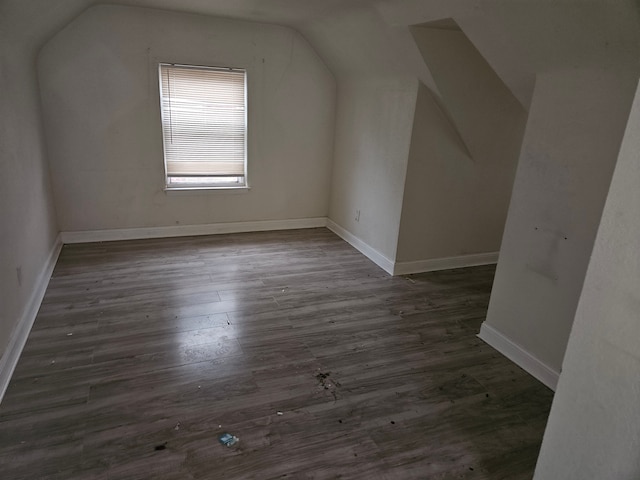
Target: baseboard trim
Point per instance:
(20, 333)
(421, 266)
(190, 230)
(519, 356)
(368, 251)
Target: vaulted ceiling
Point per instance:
(519, 38)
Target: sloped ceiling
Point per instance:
(518, 38)
(521, 38)
(35, 20)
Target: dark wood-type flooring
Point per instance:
(145, 352)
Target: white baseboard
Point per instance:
(20, 333)
(368, 251)
(190, 230)
(404, 268)
(420, 266)
(519, 356)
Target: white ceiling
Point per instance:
(284, 12)
(519, 38)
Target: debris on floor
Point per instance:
(328, 383)
(228, 440)
(322, 377)
(69, 334)
(279, 413)
(160, 447)
(324, 380)
(177, 427)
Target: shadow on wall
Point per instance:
(464, 152)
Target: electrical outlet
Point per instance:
(357, 215)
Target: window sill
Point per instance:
(205, 190)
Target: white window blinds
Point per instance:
(203, 121)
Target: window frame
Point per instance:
(195, 186)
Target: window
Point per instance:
(203, 126)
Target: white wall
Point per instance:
(99, 88)
(356, 41)
(571, 143)
(594, 426)
(455, 203)
(27, 217)
(373, 133)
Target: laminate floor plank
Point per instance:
(144, 352)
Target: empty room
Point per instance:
(259, 239)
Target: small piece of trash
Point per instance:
(52, 362)
(160, 447)
(177, 427)
(69, 334)
(228, 440)
(279, 413)
(199, 387)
